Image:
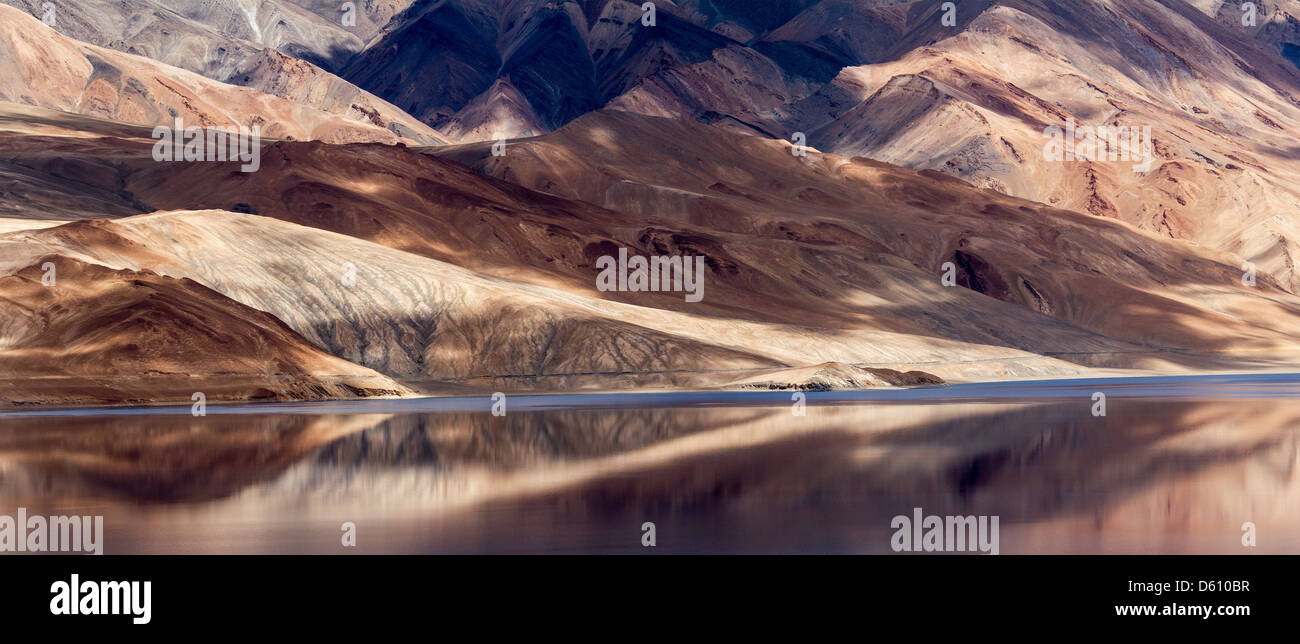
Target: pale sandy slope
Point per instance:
(418, 318)
(212, 37)
(46, 69)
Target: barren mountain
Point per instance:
(477, 69)
(972, 99)
(108, 84)
(398, 313)
(538, 323)
(1276, 22)
(280, 75)
(214, 37)
(858, 248)
(1217, 99)
(884, 233)
(78, 333)
(443, 210)
(453, 265)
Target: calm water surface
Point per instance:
(1176, 465)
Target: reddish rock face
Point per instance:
(87, 334)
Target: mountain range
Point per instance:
(868, 183)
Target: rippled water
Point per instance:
(1175, 465)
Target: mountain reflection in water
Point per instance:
(1176, 465)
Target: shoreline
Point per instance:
(479, 401)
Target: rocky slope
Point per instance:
(213, 37)
(454, 266)
(466, 278)
(48, 70)
(976, 105)
(80, 333)
(398, 313)
(478, 69)
(883, 234)
(890, 81)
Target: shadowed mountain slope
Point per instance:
(1095, 273)
(478, 69)
(1218, 101)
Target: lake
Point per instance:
(1176, 465)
